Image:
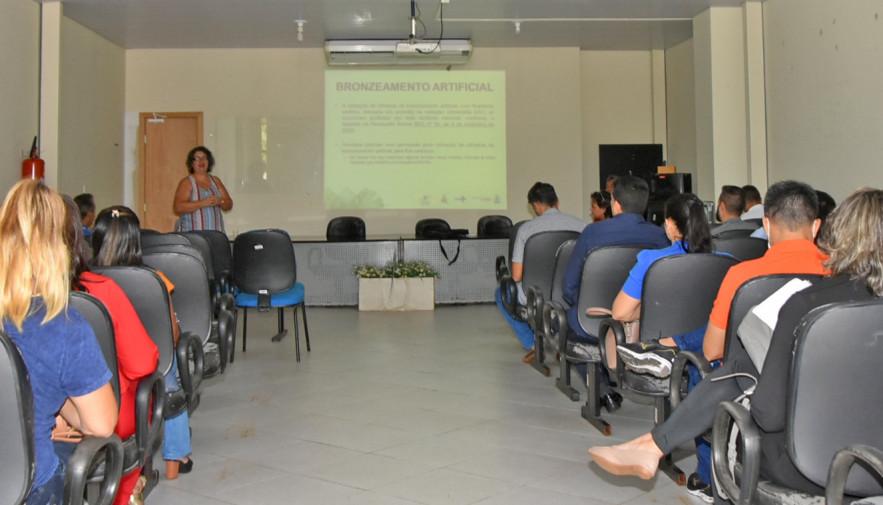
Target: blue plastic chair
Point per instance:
(265, 277)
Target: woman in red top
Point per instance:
(137, 355)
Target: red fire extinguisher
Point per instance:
(33, 167)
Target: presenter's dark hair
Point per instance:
(542, 192)
(208, 155)
(791, 204)
(733, 198)
(632, 194)
(752, 194)
(116, 238)
(687, 212)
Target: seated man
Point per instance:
(544, 201)
(753, 203)
(626, 227)
(730, 205)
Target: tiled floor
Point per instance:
(400, 408)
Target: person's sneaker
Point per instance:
(648, 357)
(697, 487)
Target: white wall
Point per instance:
(91, 106)
(681, 114)
(824, 75)
(239, 87)
(20, 84)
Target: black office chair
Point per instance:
(678, 294)
(265, 275)
(222, 257)
(742, 248)
(149, 239)
(184, 266)
(432, 228)
(148, 294)
(604, 272)
(493, 226)
(749, 294)
(139, 448)
(503, 265)
(345, 229)
(536, 303)
(537, 267)
(18, 465)
(834, 379)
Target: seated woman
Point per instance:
(67, 370)
(687, 228)
(116, 240)
(137, 355)
(852, 238)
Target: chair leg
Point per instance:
(303, 310)
(591, 411)
(296, 334)
(538, 361)
(282, 330)
(666, 465)
(244, 327)
(562, 382)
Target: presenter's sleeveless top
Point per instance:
(206, 218)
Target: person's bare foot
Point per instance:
(638, 457)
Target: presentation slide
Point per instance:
(409, 139)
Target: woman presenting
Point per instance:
(200, 197)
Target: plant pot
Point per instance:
(396, 294)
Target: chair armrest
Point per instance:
(554, 319)
(149, 410)
(501, 268)
(682, 359)
(726, 412)
(88, 453)
(841, 465)
(535, 303)
(509, 295)
(226, 329)
(190, 348)
(608, 323)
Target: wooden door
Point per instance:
(167, 138)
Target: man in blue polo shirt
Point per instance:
(626, 227)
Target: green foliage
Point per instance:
(410, 269)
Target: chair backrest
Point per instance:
(835, 388)
(749, 294)
(679, 292)
(735, 234)
(201, 243)
(222, 254)
(513, 233)
(184, 266)
(743, 248)
(604, 272)
(98, 317)
(148, 294)
(152, 239)
(539, 258)
(18, 464)
(562, 259)
(431, 228)
(493, 226)
(345, 229)
(264, 260)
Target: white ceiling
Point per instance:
(589, 24)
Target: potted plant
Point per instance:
(397, 286)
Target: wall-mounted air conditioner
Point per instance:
(397, 52)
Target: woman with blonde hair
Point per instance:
(852, 238)
(67, 370)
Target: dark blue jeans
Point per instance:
(51, 492)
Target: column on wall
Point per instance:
(50, 69)
(730, 112)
